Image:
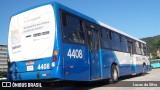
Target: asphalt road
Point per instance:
(150, 80)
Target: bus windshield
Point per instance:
(31, 34)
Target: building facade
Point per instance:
(3, 58)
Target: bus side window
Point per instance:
(137, 45)
(110, 35)
(90, 40)
(124, 44)
(140, 52)
(72, 29)
(105, 38)
(145, 50)
(115, 42)
(142, 48)
(64, 19)
(130, 45)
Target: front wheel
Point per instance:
(114, 74)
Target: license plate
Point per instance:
(30, 68)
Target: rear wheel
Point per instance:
(114, 74)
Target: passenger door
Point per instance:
(132, 56)
(75, 50)
(93, 46)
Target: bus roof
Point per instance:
(58, 5)
(116, 30)
(96, 21)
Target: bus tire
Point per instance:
(114, 74)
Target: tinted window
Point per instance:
(92, 35)
(105, 38)
(115, 42)
(130, 45)
(124, 45)
(142, 48)
(145, 50)
(116, 37)
(72, 29)
(137, 47)
(153, 62)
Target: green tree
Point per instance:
(156, 44)
(153, 44)
(4, 74)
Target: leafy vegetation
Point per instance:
(3, 74)
(153, 45)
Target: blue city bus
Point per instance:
(54, 42)
(155, 63)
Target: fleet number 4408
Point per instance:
(75, 53)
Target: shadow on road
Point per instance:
(69, 85)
